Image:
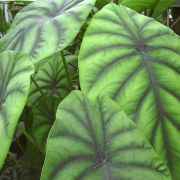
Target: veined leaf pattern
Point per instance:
(45, 27)
(97, 141)
(136, 61)
(15, 71)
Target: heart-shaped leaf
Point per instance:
(136, 61)
(50, 80)
(98, 141)
(157, 6)
(45, 27)
(15, 71)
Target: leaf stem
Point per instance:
(67, 70)
(14, 159)
(31, 140)
(19, 144)
(177, 20)
(37, 86)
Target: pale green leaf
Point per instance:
(15, 71)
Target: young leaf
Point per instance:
(50, 81)
(43, 118)
(136, 61)
(157, 6)
(15, 71)
(98, 141)
(45, 27)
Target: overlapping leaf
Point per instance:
(51, 80)
(15, 71)
(139, 5)
(46, 26)
(98, 141)
(43, 117)
(157, 6)
(161, 5)
(136, 61)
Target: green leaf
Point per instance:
(43, 118)
(52, 82)
(15, 71)
(51, 79)
(158, 6)
(45, 27)
(139, 5)
(136, 61)
(97, 141)
(30, 164)
(101, 3)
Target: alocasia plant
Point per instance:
(95, 140)
(15, 71)
(135, 60)
(127, 62)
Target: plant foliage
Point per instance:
(106, 144)
(135, 60)
(90, 88)
(15, 71)
(156, 7)
(46, 27)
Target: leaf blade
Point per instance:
(14, 88)
(156, 6)
(130, 65)
(46, 26)
(102, 138)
